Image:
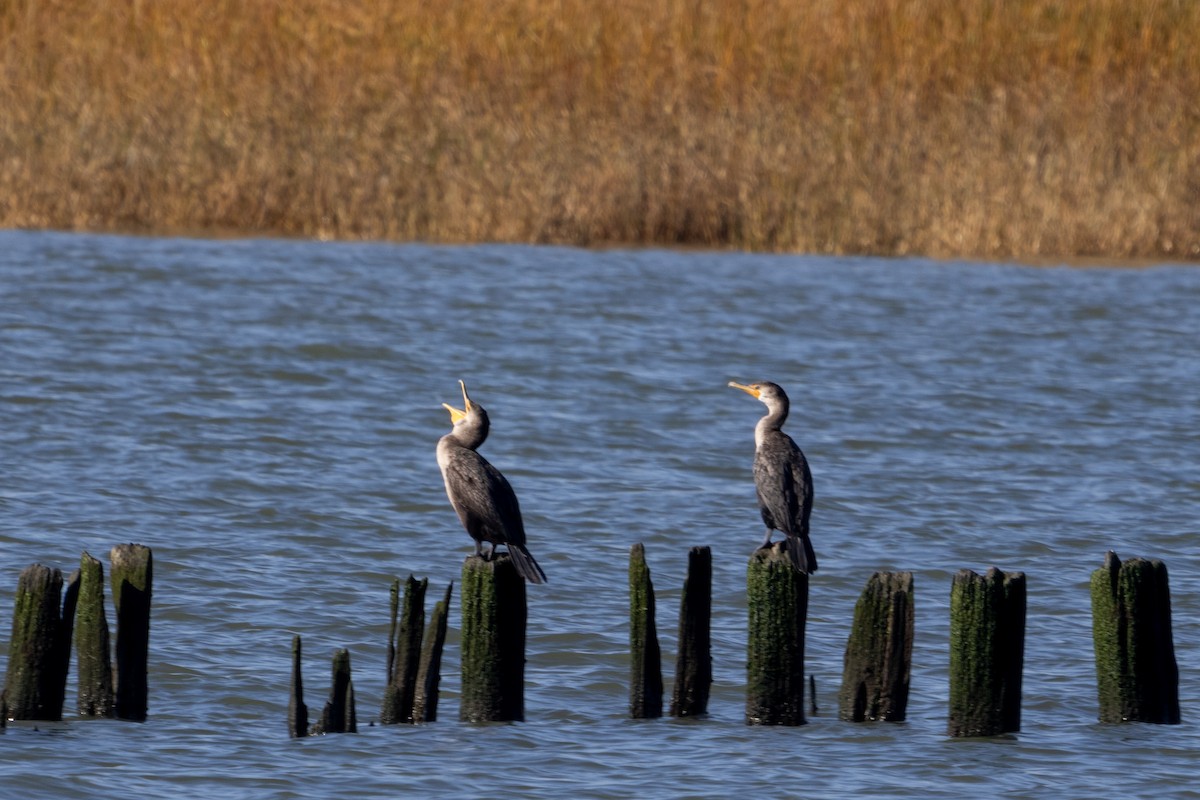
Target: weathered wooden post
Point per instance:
(339, 715)
(39, 651)
(92, 650)
(493, 640)
(1136, 672)
(401, 688)
(297, 710)
(429, 673)
(693, 663)
(879, 651)
(132, 587)
(645, 674)
(777, 595)
(987, 652)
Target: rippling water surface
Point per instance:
(263, 414)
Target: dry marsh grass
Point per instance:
(1003, 129)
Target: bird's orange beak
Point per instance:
(456, 414)
(750, 390)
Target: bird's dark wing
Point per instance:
(776, 487)
(483, 498)
(802, 480)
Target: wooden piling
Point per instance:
(297, 710)
(878, 661)
(493, 641)
(645, 673)
(1136, 672)
(401, 688)
(40, 648)
(693, 663)
(987, 650)
(132, 579)
(339, 714)
(429, 672)
(92, 650)
(777, 596)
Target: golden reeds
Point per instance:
(983, 128)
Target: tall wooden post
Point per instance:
(339, 715)
(297, 710)
(40, 648)
(878, 660)
(987, 652)
(1136, 672)
(401, 689)
(132, 587)
(645, 674)
(92, 649)
(429, 672)
(693, 664)
(493, 641)
(777, 595)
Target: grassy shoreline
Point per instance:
(1023, 129)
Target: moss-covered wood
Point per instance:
(429, 672)
(401, 688)
(1136, 673)
(493, 640)
(987, 649)
(878, 662)
(645, 673)
(40, 647)
(132, 579)
(93, 654)
(339, 715)
(777, 596)
(693, 663)
(297, 710)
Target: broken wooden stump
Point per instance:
(92, 650)
(429, 672)
(404, 652)
(1136, 672)
(693, 662)
(878, 660)
(40, 648)
(494, 614)
(132, 587)
(987, 650)
(297, 710)
(645, 674)
(777, 596)
(339, 715)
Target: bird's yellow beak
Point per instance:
(456, 414)
(750, 390)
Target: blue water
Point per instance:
(263, 414)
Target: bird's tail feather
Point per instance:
(801, 553)
(526, 565)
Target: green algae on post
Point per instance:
(132, 580)
(93, 655)
(40, 648)
(777, 596)
(493, 640)
(987, 649)
(429, 672)
(1137, 676)
(645, 669)
(693, 663)
(878, 662)
(402, 678)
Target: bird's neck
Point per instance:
(773, 421)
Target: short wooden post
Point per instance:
(777, 595)
(878, 660)
(40, 648)
(402, 682)
(297, 710)
(339, 715)
(645, 674)
(1136, 671)
(429, 672)
(987, 652)
(493, 641)
(132, 579)
(92, 650)
(693, 663)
